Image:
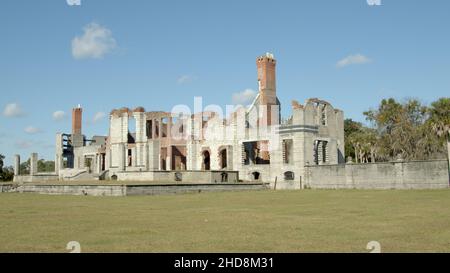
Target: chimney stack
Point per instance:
(77, 114)
(266, 66)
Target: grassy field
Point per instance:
(267, 221)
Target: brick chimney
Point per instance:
(267, 84)
(77, 115)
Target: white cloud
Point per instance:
(32, 130)
(59, 115)
(184, 79)
(24, 144)
(374, 2)
(95, 42)
(98, 116)
(13, 110)
(353, 59)
(245, 97)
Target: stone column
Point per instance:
(145, 156)
(16, 165)
(99, 163)
(153, 129)
(58, 153)
(121, 157)
(57, 164)
(161, 125)
(34, 164)
(134, 156)
(169, 128)
(229, 157)
(169, 158)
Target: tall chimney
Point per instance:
(77, 115)
(266, 65)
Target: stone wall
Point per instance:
(192, 188)
(7, 187)
(124, 190)
(183, 176)
(392, 175)
(92, 190)
(40, 177)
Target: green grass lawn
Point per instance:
(260, 221)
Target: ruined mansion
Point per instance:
(253, 144)
(206, 149)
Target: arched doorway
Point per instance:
(223, 159)
(206, 164)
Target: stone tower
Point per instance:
(267, 87)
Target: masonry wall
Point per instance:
(192, 188)
(184, 176)
(124, 190)
(93, 190)
(432, 174)
(41, 177)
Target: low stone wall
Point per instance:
(124, 190)
(93, 190)
(192, 188)
(197, 177)
(7, 187)
(35, 178)
(433, 174)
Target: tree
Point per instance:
(401, 130)
(25, 167)
(364, 143)
(408, 129)
(46, 166)
(439, 121)
(2, 157)
(350, 127)
(6, 173)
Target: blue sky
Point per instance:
(107, 54)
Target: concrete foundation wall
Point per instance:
(194, 188)
(186, 176)
(35, 178)
(393, 175)
(93, 190)
(124, 190)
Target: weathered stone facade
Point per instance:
(254, 142)
(248, 144)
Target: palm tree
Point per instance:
(440, 120)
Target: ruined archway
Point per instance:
(206, 163)
(223, 158)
